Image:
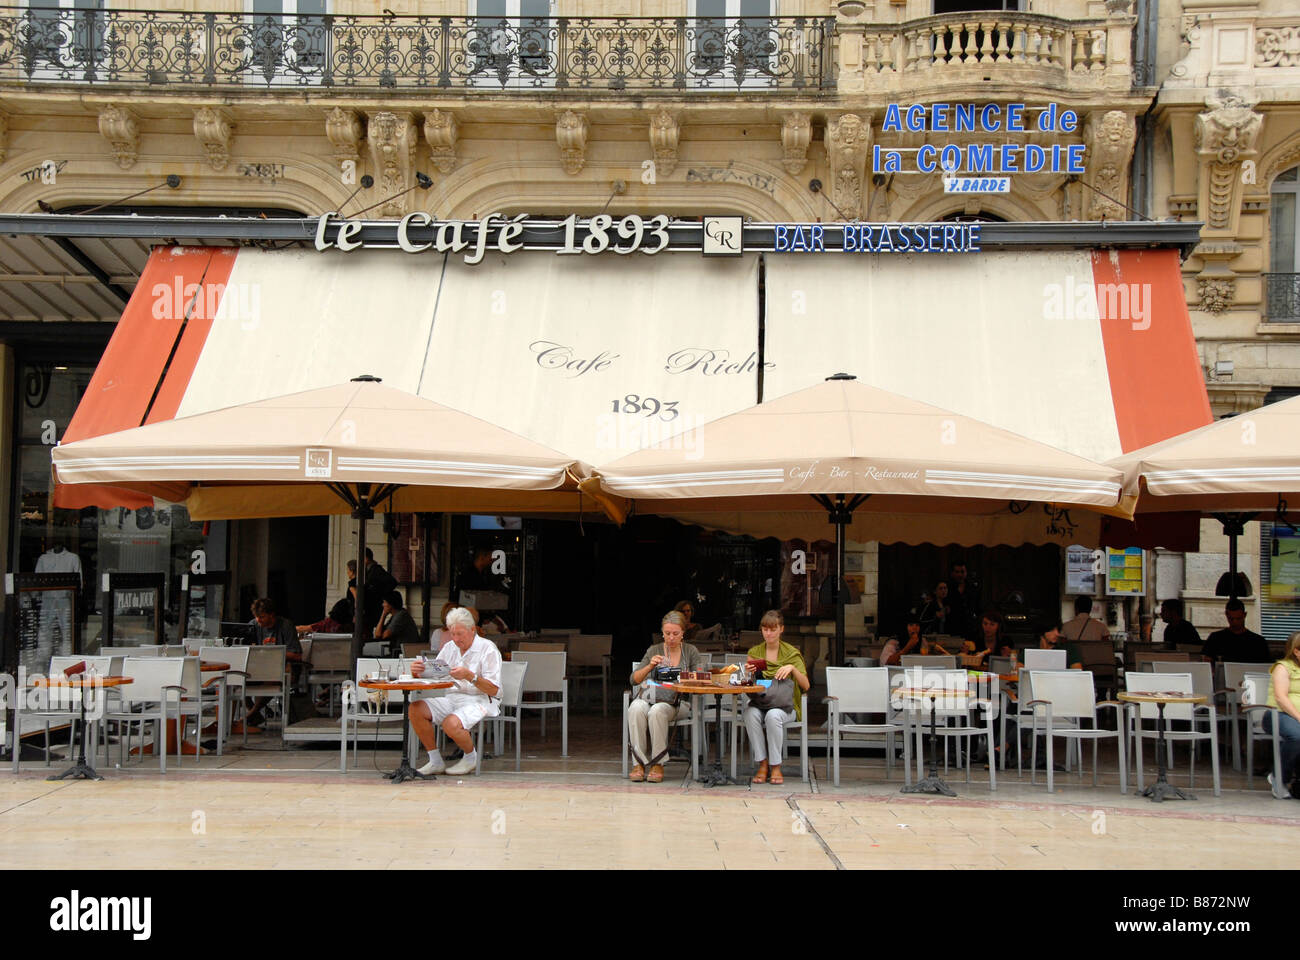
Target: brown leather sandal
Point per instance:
(776, 775)
(760, 776)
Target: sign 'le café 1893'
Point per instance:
(984, 162)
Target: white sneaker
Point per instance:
(1285, 793)
(435, 765)
(465, 764)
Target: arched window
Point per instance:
(1282, 282)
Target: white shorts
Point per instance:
(469, 709)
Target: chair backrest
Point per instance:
(1045, 659)
(535, 646)
(952, 689)
(1143, 657)
(545, 671)
(149, 651)
(1202, 675)
(409, 650)
(192, 677)
(512, 682)
(237, 657)
(148, 676)
(1254, 691)
(1097, 653)
(1161, 683)
(1072, 692)
(194, 644)
(859, 689)
(1235, 673)
(330, 655)
(105, 666)
(935, 663)
(739, 659)
(558, 631)
(265, 664)
(175, 650)
(590, 649)
(1000, 665)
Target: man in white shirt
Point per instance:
(475, 665)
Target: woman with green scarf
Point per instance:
(767, 730)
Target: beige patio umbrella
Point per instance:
(346, 448)
(1232, 469)
(848, 447)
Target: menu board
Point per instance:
(1125, 572)
(1081, 571)
(1284, 565)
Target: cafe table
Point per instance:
(698, 688)
(404, 769)
(1162, 789)
(80, 770)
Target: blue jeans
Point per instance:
(1289, 731)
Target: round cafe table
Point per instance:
(717, 776)
(1162, 789)
(915, 698)
(80, 770)
(404, 769)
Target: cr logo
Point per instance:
(722, 235)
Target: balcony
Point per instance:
(586, 56)
(1281, 297)
(955, 52)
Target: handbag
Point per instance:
(778, 696)
(656, 688)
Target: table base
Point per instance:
(78, 771)
(718, 777)
(405, 772)
(931, 784)
(1163, 790)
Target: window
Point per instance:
(511, 43)
(1282, 282)
(972, 6)
(62, 39)
(289, 42)
(735, 42)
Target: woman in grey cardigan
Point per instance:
(648, 718)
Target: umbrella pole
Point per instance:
(362, 512)
(1234, 525)
(840, 514)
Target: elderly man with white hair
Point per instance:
(475, 664)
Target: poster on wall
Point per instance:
(1080, 571)
(1284, 565)
(406, 556)
(1125, 572)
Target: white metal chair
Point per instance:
(589, 659)
(226, 684)
(328, 664)
(1254, 699)
(952, 713)
(1153, 682)
(1021, 716)
(175, 650)
(687, 722)
(736, 717)
(1071, 695)
(61, 704)
(512, 691)
(146, 651)
(375, 710)
(860, 690)
(266, 678)
(1231, 677)
(1045, 659)
(546, 675)
(157, 683)
(929, 662)
(1202, 674)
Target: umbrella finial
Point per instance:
(367, 378)
(842, 376)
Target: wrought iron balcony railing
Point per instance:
(1282, 297)
(584, 55)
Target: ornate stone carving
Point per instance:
(441, 130)
(571, 131)
(847, 139)
(1225, 136)
(119, 127)
(665, 131)
(1117, 7)
(392, 138)
(1215, 293)
(796, 134)
(1181, 73)
(4, 136)
(343, 128)
(212, 128)
(1281, 160)
(1109, 138)
(1277, 47)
